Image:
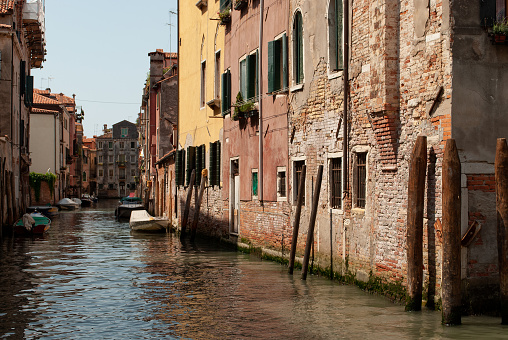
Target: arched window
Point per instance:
(298, 48)
(335, 47)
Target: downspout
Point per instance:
(12, 93)
(260, 93)
(178, 102)
(56, 150)
(345, 146)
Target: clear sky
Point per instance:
(98, 50)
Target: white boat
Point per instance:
(141, 220)
(67, 204)
(76, 200)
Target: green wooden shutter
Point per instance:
(257, 74)
(285, 81)
(22, 77)
(299, 48)
(223, 98)
(191, 163)
(338, 21)
(197, 165)
(178, 161)
(217, 163)
(271, 66)
(211, 160)
(251, 76)
(203, 156)
(29, 95)
(228, 90)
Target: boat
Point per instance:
(141, 220)
(77, 201)
(127, 205)
(86, 200)
(33, 223)
(48, 210)
(67, 204)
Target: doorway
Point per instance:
(234, 216)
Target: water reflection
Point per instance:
(91, 278)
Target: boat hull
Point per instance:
(144, 222)
(123, 212)
(41, 226)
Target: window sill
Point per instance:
(337, 211)
(358, 211)
(282, 199)
(296, 88)
(335, 74)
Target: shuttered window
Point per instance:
(224, 4)
(335, 48)
(226, 92)
(298, 48)
(214, 162)
(191, 163)
(29, 92)
(200, 162)
(298, 166)
(277, 64)
(179, 167)
(252, 75)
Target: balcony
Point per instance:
(121, 164)
(34, 25)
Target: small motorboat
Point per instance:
(67, 204)
(128, 205)
(33, 223)
(86, 200)
(141, 220)
(47, 210)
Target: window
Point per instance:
(298, 48)
(191, 163)
(200, 162)
(121, 158)
(226, 92)
(336, 183)
(335, 47)
(133, 145)
(100, 159)
(360, 180)
(101, 186)
(110, 172)
(277, 64)
(179, 167)
(100, 145)
(203, 83)
(133, 159)
(122, 145)
(110, 144)
(110, 186)
(281, 183)
(101, 173)
(243, 77)
(254, 183)
(133, 172)
(214, 164)
(122, 173)
(297, 167)
(124, 132)
(84, 176)
(110, 159)
(217, 75)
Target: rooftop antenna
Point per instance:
(170, 25)
(42, 80)
(49, 79)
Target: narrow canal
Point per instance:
(90, 278)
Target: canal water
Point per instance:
(91, 278)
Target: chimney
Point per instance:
(105, 128)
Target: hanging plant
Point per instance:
(35, 180)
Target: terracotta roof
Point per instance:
(39, 99)
(88, 140)
(6, 6)
(41, 91)
(37, 110)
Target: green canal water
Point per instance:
(91, 278)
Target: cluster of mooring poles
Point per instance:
(312, 222)
(451, 196)
(198, 199)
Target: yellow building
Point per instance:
(200, 65)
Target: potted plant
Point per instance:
(243, 109)
(500, 31)
(239, 4)
(225, 16)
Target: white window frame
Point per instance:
(279, 197)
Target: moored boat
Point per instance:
(33, 223)
(127, 206)
(67, 204)
(47, 210)
(86, 200)
(141, 220)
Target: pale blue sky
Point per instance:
(98, 50)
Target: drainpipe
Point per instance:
(345, 146)
(260, 93)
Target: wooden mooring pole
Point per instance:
(416, 194)
(310, 234)
(451, 235)
(296, 222)
(198, 205)
(187, 204)
(501, 169)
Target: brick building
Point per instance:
(413, 68)
(117, 160)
